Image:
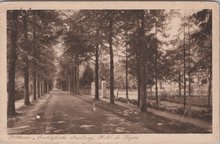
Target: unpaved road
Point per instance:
(63, 113)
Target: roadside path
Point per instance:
(193, 121)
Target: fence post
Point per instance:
(93, 88)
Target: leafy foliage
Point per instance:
(87, 76)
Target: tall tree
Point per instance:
(159, 18)
(129, 33)
(203, 38)
(111, 59)
(126, 70)
(183, 28)
(97, 67)
(126, 29)
(186, 55)
(38, 85)
(103, 29)
(92, 21)
(140, 36)
(77, 46)
(26, 59)
(142, 52)
(34, 72)
(111, 23)
(28, 46)
(12, 19)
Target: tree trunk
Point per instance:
(45, 86)
(138, 76)
(138, 73)
(97, 69)
(189, 85)
(77, 79)
(112, 99)
(184, 69)
(12, 64)
(70, 75)
(179, 84)
(26, 84)
(76, 74)
(41, 86)
(156, 82)
(69, 80)
(126, 73)
(26, 62)
(38, 85)
(73, 79)
(142, 65)
(156, 69)
(48, 87)
(189, 68)
(210, 75)
(34, 85)
(34, 75)
(126, 76)
(210, 87)
(126, 62)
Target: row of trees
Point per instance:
(192, 55)
(90, 33)
(141, 35)
(31, 36)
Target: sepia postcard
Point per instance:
(107, 72)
